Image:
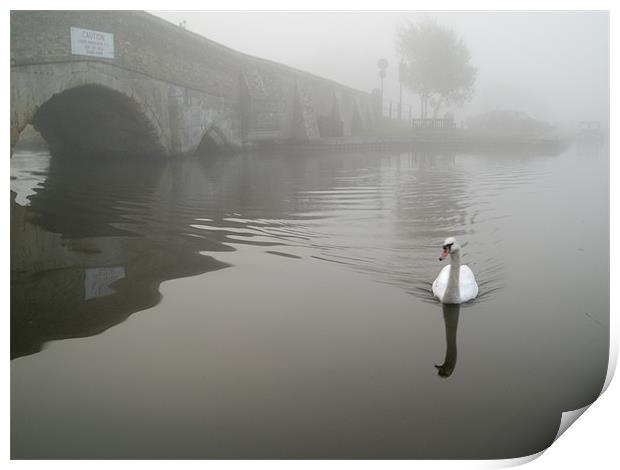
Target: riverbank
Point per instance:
(456, 139)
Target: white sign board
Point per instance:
(97, 281)
(92, 43)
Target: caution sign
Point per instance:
(92, 43)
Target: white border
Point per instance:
(592, 442)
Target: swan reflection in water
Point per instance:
(451, 320)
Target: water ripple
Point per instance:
(382, 215)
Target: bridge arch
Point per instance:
(213, 141)
(95, 121)
(93, 114)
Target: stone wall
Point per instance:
(187, 83)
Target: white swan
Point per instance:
(455, 284)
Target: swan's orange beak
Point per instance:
(444, 254)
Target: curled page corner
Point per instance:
(517, 461)
(613, 360)
(568, 418)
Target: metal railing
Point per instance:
(393, 110)
(444, 123)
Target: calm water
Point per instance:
(279, 306)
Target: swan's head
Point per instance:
(449, 246)
(444, 370)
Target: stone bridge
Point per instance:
(129, 82)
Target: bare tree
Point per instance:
(436, 65)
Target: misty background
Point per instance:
(552, 65)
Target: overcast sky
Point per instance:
(553, 65)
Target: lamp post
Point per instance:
(401, 78)
(382, 64)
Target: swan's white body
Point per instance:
(455, 284)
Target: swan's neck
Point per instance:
(455, 270)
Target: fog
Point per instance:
(552, 65)
(215, 262)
